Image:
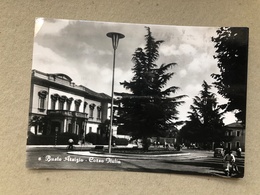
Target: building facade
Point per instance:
(58, 105)
(235, 136)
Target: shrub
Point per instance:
(121, 141)
(96, 139)
(62, 139)
(146, 143)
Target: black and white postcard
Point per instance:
(138, 97)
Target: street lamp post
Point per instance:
(115, 39)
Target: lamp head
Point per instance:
(115, 38)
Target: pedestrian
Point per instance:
(83, 141)
(239, 150)
(167, 146)
(229, 161)
(70, 147)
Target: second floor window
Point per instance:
(77, 105)
(62, 100)
(54, 99)
(69, 101)
(85, 107)
(91, 110)
(99, 112)
(42, 98)
(228, 133)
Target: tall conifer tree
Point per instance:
(205, 124)
(148, 110)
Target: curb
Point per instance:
(128, 156)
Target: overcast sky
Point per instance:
(81, 50)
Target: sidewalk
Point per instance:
(123, 155)
(83, 146)
(86, 150)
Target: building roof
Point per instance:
(235, 125)
(62, 76)
(65, 80)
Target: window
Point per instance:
(69, 128)
(42, 96)
(91, 110)
(99, 112)
(61, 105)
(238, 133)
(230, 133)
(54, 99)
(62, 100)
(53, 102)
(77, 129)
(41, 103)
(85, 107)
(229, 145)
(238, 144)
(69, 100)
(77, 105)
(90, 129)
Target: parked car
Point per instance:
(193, 147)
(219, 152)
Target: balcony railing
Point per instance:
(80, 115)
(67, 113)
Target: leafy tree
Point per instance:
(232, 53)
(104, 129)
(148, 110)
(205, 123)
(38, 122)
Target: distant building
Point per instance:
(60, 106)
(235, 136)
(169, 137)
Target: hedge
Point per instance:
(97, 139)
(62, 139)
(121, 141)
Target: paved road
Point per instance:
(190, 162)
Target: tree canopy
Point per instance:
(148, 110)
(232, 53)
(205, 124)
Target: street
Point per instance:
(188, 162)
